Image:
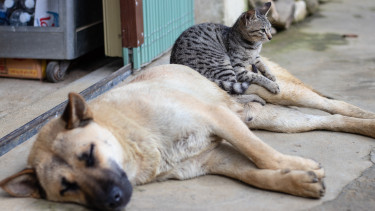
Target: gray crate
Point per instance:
(80, 31)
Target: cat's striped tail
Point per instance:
(238, 88)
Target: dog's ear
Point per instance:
(23, 184)
(77, 112)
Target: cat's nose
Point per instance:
(269, 36)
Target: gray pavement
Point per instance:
(317, 53)
(23, 100)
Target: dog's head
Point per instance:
(74, 159)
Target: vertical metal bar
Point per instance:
(157, 18)
(182, 17)
(148, 30)
(184, 8)
(153, 9)
(175, 19)
(136, 58)
(161, 22)
(144, 45)
(125, 56)
(178, 16)
(170, 21)
(149, 18)
(165, 22)
(152, 24)
(159, 28)
(152, 12)
(166, 25)
(153, 28)
(169, 17)
(192, 13)
(172, 18)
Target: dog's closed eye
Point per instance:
(88, 157)
(68, 186)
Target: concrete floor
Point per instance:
(22, 100)
(316, 52)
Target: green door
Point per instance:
(163, 22)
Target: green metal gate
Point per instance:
(163, 22)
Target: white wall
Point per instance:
(232, 10)
(219, 11)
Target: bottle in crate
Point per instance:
(20, 17)
(3, 15)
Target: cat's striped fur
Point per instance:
(225, 54)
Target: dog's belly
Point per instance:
(183, 158)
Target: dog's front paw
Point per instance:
(300, 163)
(302, 183)
(282, 161)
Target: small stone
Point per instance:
(300, 12)
(285, 10)
(312, 6)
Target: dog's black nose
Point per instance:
(118, 196)
(115, 198)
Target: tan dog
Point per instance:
(171, 122)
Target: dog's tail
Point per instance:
(321, 94)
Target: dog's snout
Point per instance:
(115, 198)
(118, 196)
(112, 197)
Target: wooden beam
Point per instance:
(132, 23)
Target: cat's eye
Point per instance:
(263, 30)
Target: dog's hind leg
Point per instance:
(227, 125)
(289, 120)
(294, 92)
(226, 161)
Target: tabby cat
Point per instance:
(225, 54)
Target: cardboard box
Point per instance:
(23, 68)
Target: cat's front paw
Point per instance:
(264, 71)
(262, 81)
(273, 88)
(270, 76)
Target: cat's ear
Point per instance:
(250, 15)
(265, 9)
